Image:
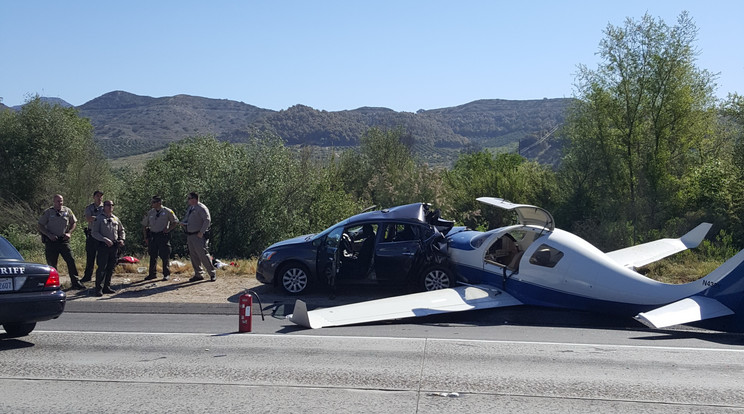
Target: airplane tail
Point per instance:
(727, 287)
(718, 305)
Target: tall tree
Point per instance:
(258, 192)
(47, 149)
(507, 176)
(643, 118)
(384, 172)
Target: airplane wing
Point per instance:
(456, 299)
(692, 309)
(643, 254)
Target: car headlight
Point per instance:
(267, 255)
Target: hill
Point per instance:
(127, 124)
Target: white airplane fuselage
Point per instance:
(583, 278)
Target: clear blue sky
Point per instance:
(332, 55)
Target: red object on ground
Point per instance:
(244, 310)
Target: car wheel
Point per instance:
(435, 278)
(294, 279)
(15, 330)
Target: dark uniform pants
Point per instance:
(107, 257)
(91, 249)
(52, 251)
(159, 247)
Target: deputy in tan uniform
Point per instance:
(197, 222)
(91, 245)
(157, 225)
(109, 232)
(56, 225)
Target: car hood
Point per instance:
(293, 241)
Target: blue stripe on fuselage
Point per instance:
(531, 294)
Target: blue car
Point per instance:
(403, 245)
(29, 292)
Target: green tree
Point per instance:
(507, 176)
(383, 171)
(644, 117)
(47, 149)
(732, 126)
(257, 193)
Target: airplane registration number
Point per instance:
(6, 284)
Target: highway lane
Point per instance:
(125, 362)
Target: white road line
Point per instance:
(393, 338)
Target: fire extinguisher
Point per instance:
(245, 322)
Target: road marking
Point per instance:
(394, 338)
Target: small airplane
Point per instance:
(534, 263)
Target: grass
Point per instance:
(236, 267)
(136, 162)
(682, 268)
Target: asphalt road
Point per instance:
(114, 359)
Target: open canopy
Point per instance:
(528, 215)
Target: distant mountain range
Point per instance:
(126, 124)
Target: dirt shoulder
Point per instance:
(133, 288)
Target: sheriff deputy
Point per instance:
(157, 225)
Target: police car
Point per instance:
(29, 292)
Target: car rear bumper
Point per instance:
(31, 306)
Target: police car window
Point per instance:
(7, 251)
(546, 256)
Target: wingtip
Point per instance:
(642, 319)
(299, 314)
(694, 237)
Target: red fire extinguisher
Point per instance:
(246, 303)
(245, 300)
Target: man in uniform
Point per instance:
(56, 225)
(109, 232)
(197, 223)
(91, 245)
(157, 225)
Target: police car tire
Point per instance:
(15, 330)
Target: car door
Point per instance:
(398, 246)
(328, 254)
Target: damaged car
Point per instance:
(400, 245)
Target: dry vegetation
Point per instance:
(128, 281)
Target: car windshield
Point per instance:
(7, 251)
(328, 230)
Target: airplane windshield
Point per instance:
(478, 240)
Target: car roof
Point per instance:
(416, 212)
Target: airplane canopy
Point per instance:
(528, 215)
